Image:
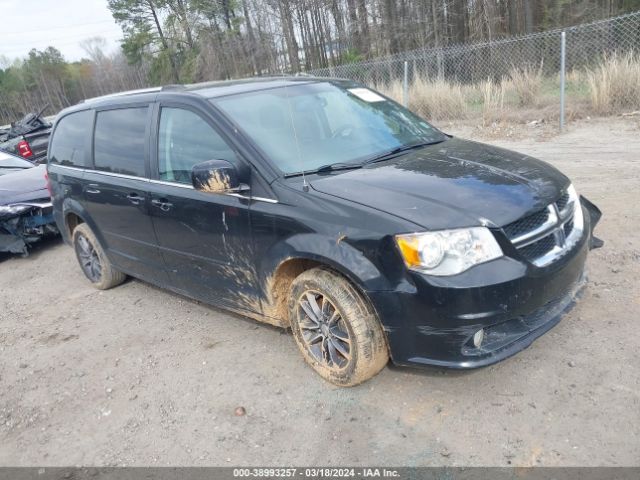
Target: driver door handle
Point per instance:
(134, 198)
(162, 204)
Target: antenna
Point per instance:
(305, 185)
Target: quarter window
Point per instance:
(119, 143)
(70, 138)
(184, 140)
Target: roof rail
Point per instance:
(125, 93)
(176, 86)
(208, 83)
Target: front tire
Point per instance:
(93, 261)
(336, 328)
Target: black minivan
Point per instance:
(321, 205)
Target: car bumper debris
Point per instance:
(19, 231)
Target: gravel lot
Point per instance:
(139, 376)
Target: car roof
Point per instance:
(216, 88)
(206, 90)
(232, 87)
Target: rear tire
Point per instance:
(336, 328)
(93, 261)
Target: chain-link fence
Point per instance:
(517, 78)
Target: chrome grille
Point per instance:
(538, 248)
(568, 226)
(546, 235)
(526, 224)
(563, 201)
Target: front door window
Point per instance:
(184, 140)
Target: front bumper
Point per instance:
(431, 321)
(18, 231)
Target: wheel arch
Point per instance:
(287, 260)
(74, 214)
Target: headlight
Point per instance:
(12, 209)
(448, 252)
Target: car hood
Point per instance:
(456, 183)
(23, 186)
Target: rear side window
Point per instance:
(70, 138)
(120, 140)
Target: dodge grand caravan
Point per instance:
(322, 206)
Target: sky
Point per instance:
(27, 24)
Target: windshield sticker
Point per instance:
(366, 95)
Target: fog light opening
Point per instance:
(478, 337)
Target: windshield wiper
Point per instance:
(398, 150)
(331, 167)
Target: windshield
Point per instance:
(304, 127)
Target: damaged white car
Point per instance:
(25, 204)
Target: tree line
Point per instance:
(182, 41)
(44, 80)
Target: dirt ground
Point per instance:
(139, 376)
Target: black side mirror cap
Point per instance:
(216, 176)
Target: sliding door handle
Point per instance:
(92, 188)
(162, 204)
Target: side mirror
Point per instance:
(216, 176)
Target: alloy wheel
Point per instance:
(89, 259)
(323, 330)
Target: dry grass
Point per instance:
(525, 94)
(438, 99)
(492, 100)
(615, 84)
(392, 90)
(526, 82)
(434, 99)
(575, 76)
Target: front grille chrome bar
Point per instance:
(565, 243)
(532, 235)
(552, 238)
